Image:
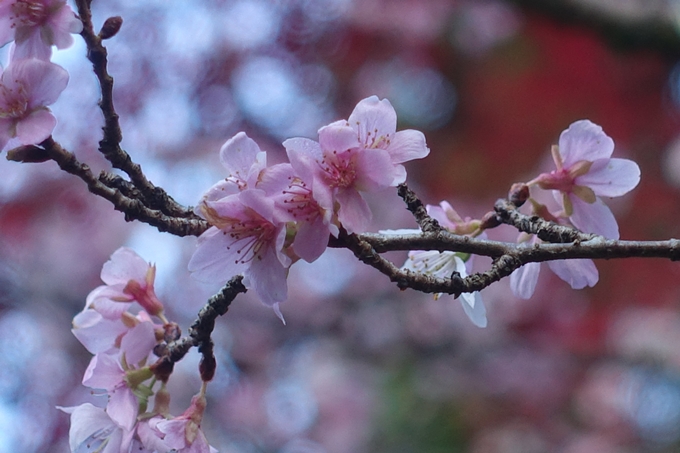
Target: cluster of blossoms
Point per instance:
(30, 82)
(585, 173)
(122, 344)
(265, 218)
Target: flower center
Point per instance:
(299, 201)
(13, 104)
(339, 172)
(27, 13)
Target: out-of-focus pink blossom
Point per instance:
(245, 240)
(92, 429)
(121, 374)
(578, 273)
(37, 25)
(585, 172)
(184, 433)
(128, 278)
(362, 154)
(26, 88)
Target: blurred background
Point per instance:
(360, 366)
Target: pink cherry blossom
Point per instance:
(128, 278)
(26, 88)
(585, 173)
(363, 154)
(245, 240)
(579, 273)
(37, 25)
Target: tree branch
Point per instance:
(134, 209)
(200, 333)
(152, 196)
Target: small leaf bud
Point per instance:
(28, 154)
(519, 193)
(111, 27)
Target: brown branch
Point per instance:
(200, 333)
(134, 209)
(152, 196)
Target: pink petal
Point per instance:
(103, 372)
(337, 138)
(220, 190)
(578, 273)
(138, 343)
(268, 277)
(95, 332)
(375, 170)
(6, 126)
(30, 43)
(110, 301)
(215, 258)
(304, 155)
(258, 201)
(276, 178)
(311, 239)
(354, 213)
(373, 119)
(523, 280)
(35, 127)
(611, 177)
(63, 22)
(584, 140)
(239, 154)
(124, 265)
(594, 218)
(43, 81)
(87, 421)
(408, 145)
(123, 407)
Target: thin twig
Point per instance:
(152, 196)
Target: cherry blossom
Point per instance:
(246, 240)
(362, 154)
(26, 88)
(585, 173)
(37, 25)
(128, 278)
(120, 375)
(445, 264)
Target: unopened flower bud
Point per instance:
(111, 27)
(490, 220)
(519, 193)
(28, 154)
